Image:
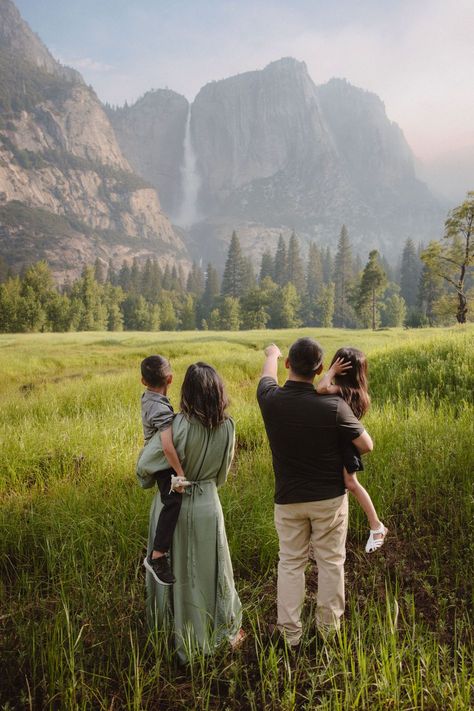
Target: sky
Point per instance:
(417, 55)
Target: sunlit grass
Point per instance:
(73, 528)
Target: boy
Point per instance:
(157, 416)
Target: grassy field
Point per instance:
(74, 522)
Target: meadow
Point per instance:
(73, 527)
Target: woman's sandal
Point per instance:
(373, 543)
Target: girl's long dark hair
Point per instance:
(353, 384)
(203, 395)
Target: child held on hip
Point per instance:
(347, 377)
(157, 416)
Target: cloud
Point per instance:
(88, 64)
(417, 56)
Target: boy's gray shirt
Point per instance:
(157, 413)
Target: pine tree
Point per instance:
(146, 279)
(232, 280)
(267, 267)
(10, 306)
(430, 287)
(39, 294)
(295, 265)
(286, 307)
(343, 275)
(166, 281)
(249, 280)
(410, 274)
(4, 270)
(176, 284)
(314, 272)
(328, 266)
(135, 278)
(195, 282)
(113, 299)
(169, 320)
(188, 314)
(314, 284)
(281, 263)
(59, 313)
(124, 276)
(325, 306)
(371, 286)
(229, 314)
(156, 283)
(100, 271)
(393, 310)
(112, 276)
(211, 290)
(89, 294)
(254, 309)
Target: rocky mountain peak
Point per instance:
(67, 193)
(17, 38)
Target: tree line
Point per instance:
(431, 286)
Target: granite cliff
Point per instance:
(151, 134)
(67, 193)
(275, 152)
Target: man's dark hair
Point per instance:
(305, 357)
(155, 370)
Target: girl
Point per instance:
(347, 377)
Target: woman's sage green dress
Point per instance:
(202, 607)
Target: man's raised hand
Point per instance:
(270, 367)
(272, 350)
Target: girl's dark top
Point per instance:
(351, 459)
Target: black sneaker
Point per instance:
(160, 569)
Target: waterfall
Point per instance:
(190, 182)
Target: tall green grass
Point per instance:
(73, 528)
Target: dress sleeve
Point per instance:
(348, 425)
(152, 458)
(228, 453)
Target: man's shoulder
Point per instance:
(267, 385)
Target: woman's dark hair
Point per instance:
(203, 395)
(353, 383)
(155, 370)
(305, 356)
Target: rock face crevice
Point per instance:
(67, 193)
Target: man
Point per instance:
(305, 431)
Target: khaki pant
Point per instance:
(324, 523)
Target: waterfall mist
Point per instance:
(190, 181)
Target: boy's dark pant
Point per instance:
(169, 513)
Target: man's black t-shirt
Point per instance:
(306, 432)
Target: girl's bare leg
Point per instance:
(353, 485)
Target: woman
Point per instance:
(202, 607)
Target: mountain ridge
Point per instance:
(277, 152)
(67, 193)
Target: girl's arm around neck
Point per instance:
(325, 385)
